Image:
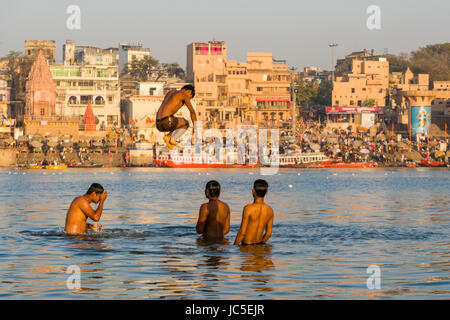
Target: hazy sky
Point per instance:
(297, 31)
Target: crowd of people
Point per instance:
(375, 145)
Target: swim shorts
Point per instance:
(168, 123)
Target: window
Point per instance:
(353, 90)
(259, 89)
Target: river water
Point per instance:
(330, 226)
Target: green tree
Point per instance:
(306, 91)
(323, 96)
(369, 102)
(142, 69)
(398, 63)
(434, 60)
(18, 68)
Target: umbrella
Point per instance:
(52, 144)
(364, 151)
(315, 147)
(37, 137)
(36, 144)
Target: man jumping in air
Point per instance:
(165, 119)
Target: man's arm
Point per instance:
(227, 221)
(244, 223)
(268, 229)
(202, 216)
(187, 101)
(87, 209)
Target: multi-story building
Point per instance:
(77, 85)
(368, 79)
(415, 92)
(129, 52)
(5, 97)
(89, 55)
(257, 91)
(48, 48)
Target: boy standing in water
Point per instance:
(256, 218)
(80, 210)
(214, 217)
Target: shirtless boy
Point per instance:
(214, 217)
(256, 218)
(165, 119)
(80, 210)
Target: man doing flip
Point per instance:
(165, 119)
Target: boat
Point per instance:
(412, 165)
(332, 164)
(194, 162)
(299, 160)
(47, 167)
(431, 163)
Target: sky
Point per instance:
(297, 31)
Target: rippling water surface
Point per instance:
(329, 227)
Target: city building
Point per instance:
(414, 94)
(5, 97)
(40, 114)
(48, 48)
(76, 85)
(89, 55)
(360, 90)
(229, 93)
(129, 52)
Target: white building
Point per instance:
(130, 52)
(150, 88)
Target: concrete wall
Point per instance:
(7, 157)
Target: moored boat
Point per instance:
(432, 163)
(194, 162)
(47, 167)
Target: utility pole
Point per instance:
(332, 46)
(294, 101)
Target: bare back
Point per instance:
(172, 102)
(214, 219)
(76, 219)
(256, 226)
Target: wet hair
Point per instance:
(95, 187)
(214, 188)
(189, 87)
(261, 186)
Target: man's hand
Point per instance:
(97, 227)
(104, 195)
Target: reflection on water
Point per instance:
(329, 227)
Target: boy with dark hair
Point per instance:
(80, 210)
(165, 119)
(214, 216)
(256, 218)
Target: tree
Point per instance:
(17, 69)
(369, 102)
(306, 91)
(398, 63)
(174, 70)
(323, 96)
(142, 69)
(434, 60)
